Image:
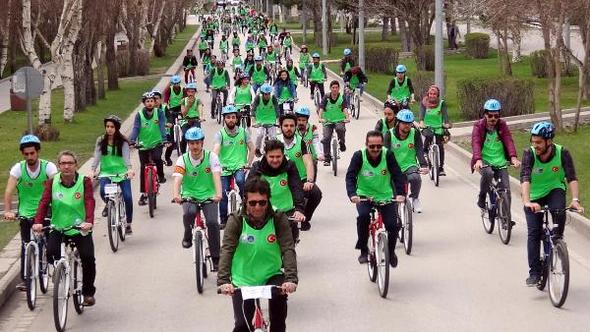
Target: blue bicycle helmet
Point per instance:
(29, 140)
(347, 52)
(175, 79)
(191, 86)
(302, 111)
(405, 116)
(315, 55)
(492, 105)
(258, 58)
(543, 129)
(400, 69)
(265, 88)
(194, 134)
(229, 109)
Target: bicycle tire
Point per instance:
(544, 268)
(504, 222)
(431, 171)
(218, 109)
(488, 215)
(436, 164)
(372, 263)
(382, 255)
(150, 193)
(77, 296)
(408, 229)
(559, 258)
(335, 156)
(43, 266)
(357, 101)
(198, 261)
(122, 224)
(60, 297)
(112, 226)
(30, 278)
(178, 139)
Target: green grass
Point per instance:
(343, 40)
(160, 65)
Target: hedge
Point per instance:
(477, 45)
(379, 59)
(538, 61)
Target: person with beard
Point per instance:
(388, 121)
(434, 119)
(404, 140)
(27, 177)
(235, 149)
(492, 145)
(297, 151)
(310, 135)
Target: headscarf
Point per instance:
(431, 103)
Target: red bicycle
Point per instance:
(378, 266)
(151, 184)
(256, 293)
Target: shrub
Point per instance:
(477, 45)
(538, 61)
(379, 59)
(123, 62)
(516, 96)
(46, 132)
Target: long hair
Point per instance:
(118, 140)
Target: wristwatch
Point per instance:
(576, 199)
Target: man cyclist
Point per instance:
(197, 176)
(190, 110)
(434, 118)
(310, 135)
(333, 114)
(273, 31)
(354, 78)
(259, 73)
(27, 177)
(149, 132)
(173, 96)
(219, 79)
(241, 96)
(203, 46)
(262, 44)
(317, 75)
(347, 62)
(237, 64)
(406, 144)
(400, 90)
(374, 173)
(299, 152)
(235, 149)
(224, 46)
(269, 259)
(265, 112)
(272, 58)
(547, 169)
(235, 41)
(250, 45)
(492, 145)
(285, 91)
(70, 196)
(388, 121)
(188, 64)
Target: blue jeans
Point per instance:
(125, 191)
(240, 179)
(256, 86)
(389, 213)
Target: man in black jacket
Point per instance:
(189, 64)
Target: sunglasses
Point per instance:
(261, 202)
(493, 116)
(375, 146)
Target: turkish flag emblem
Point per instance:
(555, 169)
(283, 183)
(271, 238)
(78, 195)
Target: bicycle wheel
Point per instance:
(198, 260)
(317, 98)
(357, 106)
(30, 278)
(503, 216)
(372, 264)
(233, 202)
(488, 215)
(122, 220)
(335, 156)
(150, 193)
(77, 286)
(61, 296)
(559, 274)
(178, 139)
(382, 255)
(435, 164)
(43, 266)
(544, 266)
(112, 226)
(408, 228)
(218, 109)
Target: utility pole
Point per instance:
(304, 24)
(362, 34)
(438, 47)
(324, 28)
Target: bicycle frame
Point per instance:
(151, 178)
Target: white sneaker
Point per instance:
(417, 206)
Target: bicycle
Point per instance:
(405, 209)
(233, 194)
(117, 220)
(256, 293)
(287, 107)
(151, 184)
(189, 74)
(497, 207)
(266, 136)
(378, 265)
(35, 265)
(304, 77)
(317, 96)
(244, 111)
(433, 156)
(554, 261)
(399, 105)
(272, 72)
(218, 107)
(177, 133)
(354, 101)
(335, 146)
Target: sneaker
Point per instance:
(128, 230)
(258, 153)
(161, 179)
(142, 200)
(187, 243)
(215, 265)
(105, 211)
(168, 162)
(305, 226)
(22, 287)
(417, 205)
(342, 147)
(363, 258)
(441, 172)
(481, 202)
(326, 163)
(393, 260)
(532, 281)
(89, 301)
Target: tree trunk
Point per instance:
(404, 35)
(67, 80)
(99, 56)
(393, 25)
(111, 61)
(385, 28)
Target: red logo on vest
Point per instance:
(271, 238)
(78, 195)
(208, 170)
(555, 169)
(283, 183)
(298, 155)
(411, 145)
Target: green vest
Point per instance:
(111, 164)
(354, 81)
(258, 75)
(274, 29)
(375, 182)
(262, 43)
(149, 132)
(67, 204)
(333, 112)
(317, 74)
(206, 60)
(203, 45)
(194, 111)
(303, 60)
(404, 150)
(218, 80)
(30, 189)
(243, 96)
(237, 61)
(280, 193)
(265, 112)
(292, 75)
(249, 45)
(233, 153)
(223, 45)
(433, 118)
(197, 181)
(547, 176)
(295, 154)
(235, 41)
(492, 152)
(346, 66)
(308, 139)
(271, 57)
(248, 66)
(285, 94)
(287, 41)
(257, 257)
(384, 126)
(400, 92)
(175, 98)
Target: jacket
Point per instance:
(478, 137)
(261, 167)
(279, 84)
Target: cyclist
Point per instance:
(374, 173)
(191, 107)
(354, 78)
(294, 73)
(250, 44)
(237, 64)
(258, 73)
(492, 145)
(242, 95)
(347, 62)
(272, 58)
(265, 111)
(285, 90)
(70, 196)
(269, 259)
(287, 45)
(286, 187)
(297, 150)
(434, 119)
(304, 58)
(316, 72)
(149, 129)
(197, 176)
(248, 63)
(224, 46)
(188, 64)
(203, 46)
(273, 31)
(235, 41)
(400, 90)
(388, 121)
(219, 79)
(262, 44)
(27, 177)
(235, 149)
(173, 97)
(547, 169)
(112, 153)
(333, 114)
(310, 135)
(406, 144)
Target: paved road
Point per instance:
(457, 279)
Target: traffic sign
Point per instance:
(27, 82)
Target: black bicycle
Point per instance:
(497, 208)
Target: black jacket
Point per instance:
(262, 167)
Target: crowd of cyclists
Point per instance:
(275, 167)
